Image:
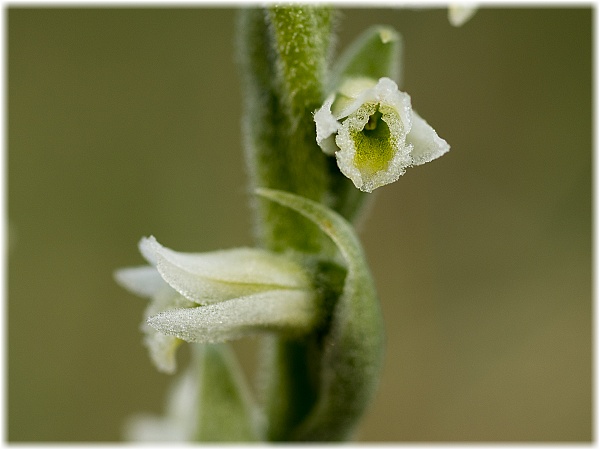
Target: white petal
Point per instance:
(147, 251)
(427, 144)
(290, 311)
(222, 275)
(460, 13)
(179, 423)
(162, 348)
(327, 126)
(182, 402)
(144, 281)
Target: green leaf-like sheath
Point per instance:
(376, 53)
(353, 350)
(226, 412)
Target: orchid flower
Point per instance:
(374, 133)
(217, 296)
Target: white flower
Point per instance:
(217, 296)
(374, 133)
(460, 13)
(180, 420)
(210, 401)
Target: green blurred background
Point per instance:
(125, 122)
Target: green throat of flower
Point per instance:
(374, 144)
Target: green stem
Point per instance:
(283, 54)
(279, 133)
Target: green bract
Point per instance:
(353, 347)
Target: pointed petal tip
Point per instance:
(162, 349)
(144, 281)
(427, 145)
(148, 247)
(326, 125)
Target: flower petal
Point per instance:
(427, 145)
(284, 310)
(460, 13)
(217, 276)
(144, 281)
(161, 347)
(179, 422)
(327, 126)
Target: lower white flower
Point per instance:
(217, 296)
(374, 133)
(180, 421)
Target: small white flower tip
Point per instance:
(144, 281)
(147, 247)
(163, 351)
(459, 13)
(180, 421)
(326, 126)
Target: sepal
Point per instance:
(290, 312)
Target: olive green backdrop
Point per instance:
(125, 122)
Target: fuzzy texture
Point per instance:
(287, 312)
(353, 348)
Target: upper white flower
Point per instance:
(374, 133)
(217, 296)
(460, 13)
